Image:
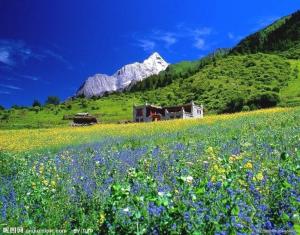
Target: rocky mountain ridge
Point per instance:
(100, 84)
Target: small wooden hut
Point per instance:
(84, 119)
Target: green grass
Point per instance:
(291, 94)
(107, 109)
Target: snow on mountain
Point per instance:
(99, 84)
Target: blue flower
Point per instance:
(268, 225)
(155, 210)
(4, 208)
(186, 216)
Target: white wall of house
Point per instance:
(196, 112)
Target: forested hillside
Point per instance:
(230, 84)
(282, 37)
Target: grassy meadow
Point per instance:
(224, 174)
(291, 93)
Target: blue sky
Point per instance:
(50, 47)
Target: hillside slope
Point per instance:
(230, 84)
(281, 37)
(177, 71)
(290, 94)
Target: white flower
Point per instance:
(161, 194)
(189, 179)
(126, 209)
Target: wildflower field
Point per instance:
(227, 174)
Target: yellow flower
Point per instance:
(53, 183)
(210, 149)
(101, 218)
(259, 176)
(33, 185)
(232, 158)
(41, 169)
(242, 182)
(248, 165)
(219, 169)
(45, 182)
(35, 139)
(213, 178)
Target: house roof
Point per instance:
(82, 114)
(149, 105)
(166, 107)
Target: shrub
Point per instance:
(246, 108)
(53, 100)
(5, 117)
(234, 105)
(264, 100)
(36, 103)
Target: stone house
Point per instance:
(150, 113)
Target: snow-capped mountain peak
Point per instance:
(100, 84)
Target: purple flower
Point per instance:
(268, 225)
(186, 216)
(4, 208)
(155, 210)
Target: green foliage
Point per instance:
(36, 103)
(282, 37)
(234, 81)
(83, 103)
(15, 106)
(36, 109)
(290, 95)
(5, 117)
(111, 109)
(264, 100)
(52, 100)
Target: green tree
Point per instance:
(53, 100)
(5, 117)
(36, 103)
(265, 100)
